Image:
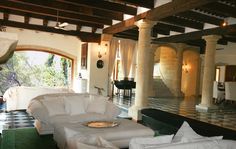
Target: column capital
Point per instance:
(144, 23)
(211, 38)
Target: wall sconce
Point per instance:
(100, 49)
(186, 68)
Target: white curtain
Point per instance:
(112, 55)
(127, 48)
(112, 58)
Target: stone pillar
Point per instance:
(142, 86)
(209, 72)
(151, 92)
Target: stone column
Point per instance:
(142, 86)
(151, 92)
(209, 72)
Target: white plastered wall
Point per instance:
(97, 76)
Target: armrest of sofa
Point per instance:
(38, 111)
(112, 111)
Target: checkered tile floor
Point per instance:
(14, 119)
(224, 115)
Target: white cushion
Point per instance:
(54, 105)
(97, 104)
(186, 134)
(74, 105)
(139, 143)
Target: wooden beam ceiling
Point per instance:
(103, 5)
(200, 17)
(197, 34)
(44, 17)
(220, 9)
(183, 22)
(143, 3)
(53, 13)
(67, 7)
(169, 27)
(158, 13)
(84, 36)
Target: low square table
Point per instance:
(119, 135)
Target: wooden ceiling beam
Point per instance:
(5, 15)
(197, 34)
(183, 22)
(94, 29)
(157, 14)
(26, 19)
(78, 27)
(53, 13)
(220, 9)
(45, 22)
(84, 36)
(122, 35)
(169, 27)
(103, 5)
(141, 3)
(55, 19)
(201, 17)
(66, 7)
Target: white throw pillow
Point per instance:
(136, 143)
(97, 104)
(74, 105)
(186, 134)
(54, 105)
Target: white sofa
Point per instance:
(18, 97)
(62, 108)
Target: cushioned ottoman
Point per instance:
(119, 135)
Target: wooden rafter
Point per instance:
(55, 19)
(183, 22)
(82, 35)
(193, 15)
(53, 13)
(197, 34)
(158, 13)
(220, 9)
(103, 5)
(67, 7)
(142, 3)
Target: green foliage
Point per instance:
(19, 71)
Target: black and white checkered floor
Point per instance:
(224, 115)
(14, 119)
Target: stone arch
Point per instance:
(190, 72)
(53, 51)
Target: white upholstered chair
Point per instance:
(230, 91)
(218, 95)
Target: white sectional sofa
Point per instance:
(18, 97)
(50, 109)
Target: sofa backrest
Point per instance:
(37, 108)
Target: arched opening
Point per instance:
(40, 67)
(190, 72)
